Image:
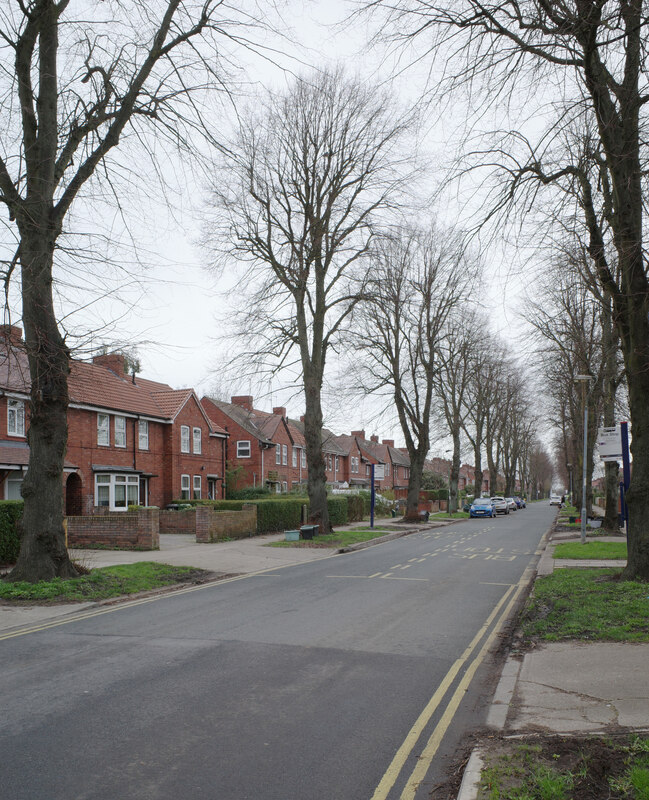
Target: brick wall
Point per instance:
(132, 531)
(211, 525)
(178, 521)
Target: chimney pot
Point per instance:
(374, 439)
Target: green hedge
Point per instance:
(442, 494)
(10, 512)
(355, 508)
(279, 513)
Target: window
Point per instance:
(387, 468)
(354, 464)
(197, 440)
(13, 485)
(120, 431)
(184, 487)
(184, 438)
(329, 463)
(143, 434)
(284, 455)
(278, 453)
(15, 417)
(117, 492)
(197, 487)
(243, 449)
(367, 469)
(294, 457)
(103, 429)
(285, 487)
(336, 463)
(303, 462)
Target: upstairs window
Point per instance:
(284, 455)
(243, 449)
(387, 468)
(143, 434)
(197, 440)
(294, 457)
(336, 463)
(303, 461)
(278, 453)
(15, 417)
(103, 429)
(184, 439)
(120, 431)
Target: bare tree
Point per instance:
(417, 279)
(593, 55)
(71, 90)
(311, 173)
(463, 333)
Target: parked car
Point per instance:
(511, 504)
(555, 500)
(482, 507)
(520, 502)
(500, 505)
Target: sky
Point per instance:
(170, 307)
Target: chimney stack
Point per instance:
(389, 442)
(279, 411)
(243, 400)
(374, 439)
(12, 333)
(360, 434)
(115, 362)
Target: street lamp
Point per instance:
(584, 380)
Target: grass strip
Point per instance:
(101, 583)
(567, 768)
(587, 604)
(454, 515)
(336, 539)
(594, 550)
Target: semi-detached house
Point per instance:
(130, 440)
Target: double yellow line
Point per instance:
(501, 611)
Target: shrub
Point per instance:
(442, 494)
(249, 493)
(355, 508)
(338, 510)
(10, 512)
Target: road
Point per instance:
(347, 678)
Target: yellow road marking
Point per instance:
(428, 753)
(397, 764)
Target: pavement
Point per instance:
(569, 688)
(240, 557)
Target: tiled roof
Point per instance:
(16, 454)
(239, 415)
(171, 400)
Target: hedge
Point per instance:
(355, 508)
(442, 494)
(279, 513)
(10, 513)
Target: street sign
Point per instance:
(379, 472)
(609, 443)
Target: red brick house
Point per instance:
(261, 443)
(130, 440)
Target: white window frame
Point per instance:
(278, 453)
(285, 487)
(119, 431)
(244, 452)
(184, 487)
(303, 457)
(103, 430)
(114, 483)
(184, 438)
(197, 440)
(336, 463)
(196, 487)
(15, 417)
(143, 434)
(294, 458)
(387, 468)
(284, 455)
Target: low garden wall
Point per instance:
(210, 525)
(137, 530)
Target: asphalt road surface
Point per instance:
(349, 678)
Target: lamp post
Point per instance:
(584, 380)
(569, 466)
(450, 467)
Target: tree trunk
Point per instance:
(43, 554)
(317, 478)
(477, 472)
(414, 485)
(611, 483)
(455, 473)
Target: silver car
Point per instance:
(511, 504)
(500, 505)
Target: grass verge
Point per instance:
(567, 768)
(102, 583)
(587, 604)
(454, 515)
(595, 550)
(336, 539)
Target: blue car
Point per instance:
(482, 507)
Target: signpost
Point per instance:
(613, 445)
(377, 471)
(609, 443)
